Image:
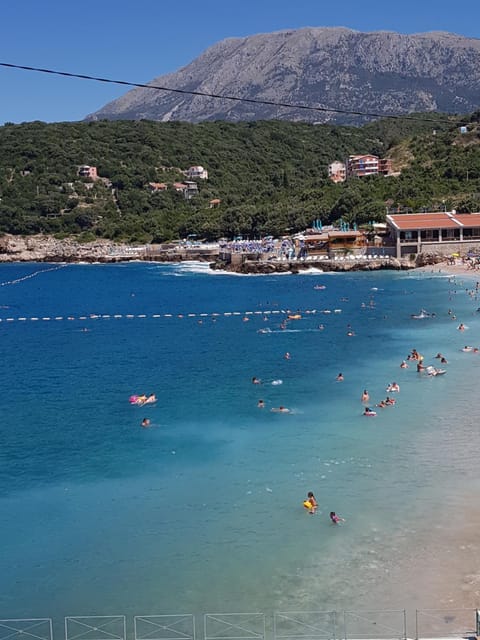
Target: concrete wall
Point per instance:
(444, 248)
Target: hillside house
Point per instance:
(367, 165)
(337, 171)
(189, 188)
(86, 171)
(197, 172)
(155, 187)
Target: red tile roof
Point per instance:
(468, 219)
(414, 221)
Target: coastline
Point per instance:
(40, 248)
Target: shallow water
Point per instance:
(203, 511)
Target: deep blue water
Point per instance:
(203, 511)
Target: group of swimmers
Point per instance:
(393, 387)
(311, 505)
(261, 403)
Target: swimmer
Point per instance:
(261, 404)
(145, 423)
(256, 380)
(311, 503)
(443, 360)
(394, 387)
(365, 396)
(336, 519)
(287, 356)
(339, 378)
(403, 365)
(461, 327)
(369, 412)
(280, 409)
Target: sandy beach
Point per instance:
(458, 269)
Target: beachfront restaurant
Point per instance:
(329, 243)
(443, 232)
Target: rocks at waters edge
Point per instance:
(41, 248)
(257, 267)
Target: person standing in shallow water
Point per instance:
(365, 396)
(310, 503)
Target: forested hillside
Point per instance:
(269, 176)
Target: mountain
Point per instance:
(377, 72)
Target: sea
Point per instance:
(203, 510)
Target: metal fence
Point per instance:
(287, 625)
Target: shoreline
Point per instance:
(47, 249)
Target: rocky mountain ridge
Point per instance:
(378, 72)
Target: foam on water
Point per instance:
(204, 510)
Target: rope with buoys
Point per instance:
(295, 315)
(32, 275)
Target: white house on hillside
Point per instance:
(197, 172)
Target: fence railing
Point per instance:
(287, 625)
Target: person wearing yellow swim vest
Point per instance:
(310, 503)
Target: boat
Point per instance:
(319, 287)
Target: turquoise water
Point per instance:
(203, 510)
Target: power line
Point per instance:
(271, 103)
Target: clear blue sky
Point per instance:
(138, 41)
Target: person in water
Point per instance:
(280, 409)
(256, 380)
(145, 423)
(261, 404)
(311, 503)
(365, 396)
(403, 365)
(339, 378)
(336, 519)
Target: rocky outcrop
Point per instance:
(258, 267)
(41, 248)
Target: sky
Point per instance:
(140, 40)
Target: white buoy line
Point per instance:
(142, 316)
(32, 275)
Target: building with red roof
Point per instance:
(440, 231)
